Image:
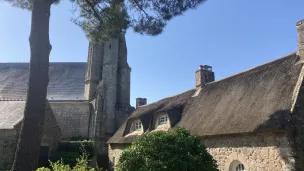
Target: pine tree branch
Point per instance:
(140, 8)
(95, 12)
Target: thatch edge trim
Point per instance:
(170, 97)
(258, 66)
(297, 90)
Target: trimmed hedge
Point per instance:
(69, 151)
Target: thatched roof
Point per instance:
(256, 100)
(146, 112)
(66, 81)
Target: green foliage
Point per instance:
(66, 157)
(81, 165)
(103, 19)
(78, 138)
(27, 4)
(70, 151)
(167, 151)
(100, 21)
(43, 169)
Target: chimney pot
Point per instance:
(140, 102)
(204, 75)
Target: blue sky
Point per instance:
(231, 36)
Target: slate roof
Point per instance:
(66, 81)
(256, 100)
(11, 113)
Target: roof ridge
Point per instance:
(70, 62)
(12, 100)
(250, 69)
(167, 97)
(226, 77)
(1, 62)
(50, 62)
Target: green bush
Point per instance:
(81, 165)
(66, 157)
(43, 169)
(78, 138)
(167, 151)
(69, 151)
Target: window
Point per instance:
(237, 166)
(136, 126)
(163, 120)
(240, 167)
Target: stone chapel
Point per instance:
(89, 100)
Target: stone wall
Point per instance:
(8, 140)
(296, 129)
(263, 152)
(72, 117)
(259, 152)
(94, 69)
(115, 151)
(7, 148)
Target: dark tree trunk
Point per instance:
(26, 157)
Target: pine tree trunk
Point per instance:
(27, 154)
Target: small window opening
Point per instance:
(163, 120)
(240, 167)
(237, 166)
(137, 125)
(110, 47)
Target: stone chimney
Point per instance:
(300, 27)
(204, 75)
(140, 102)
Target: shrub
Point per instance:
(81, 165)
(69, 151)
(78, 138)
(43, 169)
(167, 151)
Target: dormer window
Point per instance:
(163, 120)
(136, 126)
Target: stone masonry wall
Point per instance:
(260, 152)
(8, 140)
(72, 117)
(7, 148)
(115, 151)
(263, 152)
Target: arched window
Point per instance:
(237, 166)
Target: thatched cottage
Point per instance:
(250, 121)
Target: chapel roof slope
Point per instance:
(259, 99)
(11, 113)
(66, 81)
